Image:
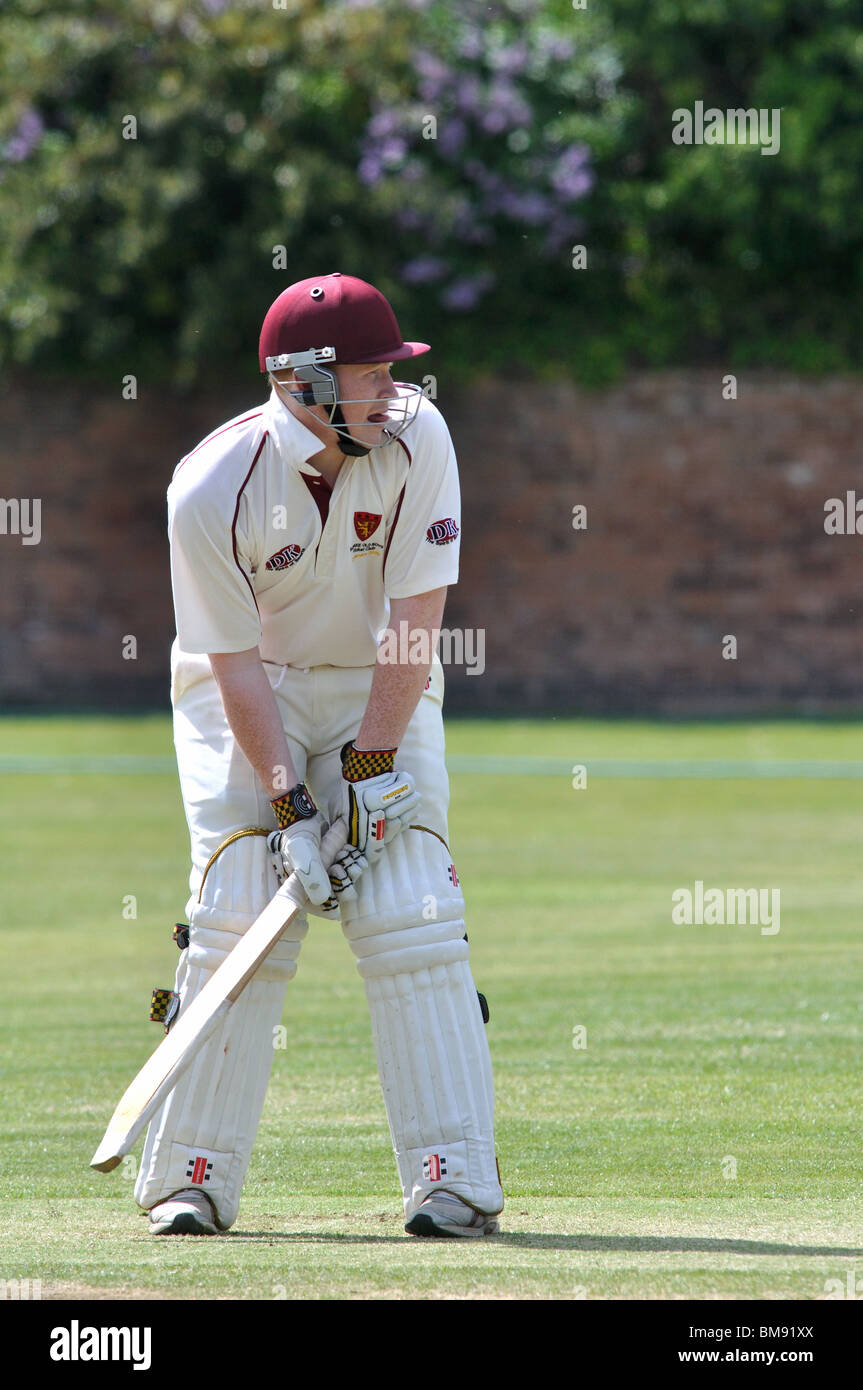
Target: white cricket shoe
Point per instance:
(445, 1214)
(188, 1213)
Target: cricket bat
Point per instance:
(158, 1077)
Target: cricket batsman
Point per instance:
(300, 531)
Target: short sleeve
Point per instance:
(423, 546)
(214, 602)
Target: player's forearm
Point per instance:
(253, 715)
(397, 685)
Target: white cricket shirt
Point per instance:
(262, 554)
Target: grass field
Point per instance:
(703, 1143)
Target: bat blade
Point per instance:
(194, 1025)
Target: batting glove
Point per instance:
(378, 801)
(344, 872)
(298, 842)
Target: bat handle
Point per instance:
(334, 840)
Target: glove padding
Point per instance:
(344, 872)
(377, 810)
(300, 849)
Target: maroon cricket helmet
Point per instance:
(337, 311)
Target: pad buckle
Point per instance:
(164, 1007)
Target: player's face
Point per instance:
(365, 389)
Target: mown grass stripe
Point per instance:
(647, 769)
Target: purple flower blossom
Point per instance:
(370, 168)
(490, 183)
(470, 45)
(561, 50)
(393, 151)
(469, 95)
(384, 123)
(504, 109)
(477, 91)
(451, 137)
(428, 64)
(464, 293)
(409, 220)
(470, 231)
(551, 48)
(530, 208)
(214, 6)
(26, 137)
(571, 177)
(510, 61)
(433, 74)
(562, 232)
(493, 122)
(424, 270)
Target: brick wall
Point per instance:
(705, 519)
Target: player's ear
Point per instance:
(286, 379)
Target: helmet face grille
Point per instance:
(320, 388)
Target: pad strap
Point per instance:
(237, 835)
(164, 1006)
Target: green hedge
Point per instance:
(453, 152)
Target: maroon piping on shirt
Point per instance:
(398, 511)
(236, 425)
(237, 513)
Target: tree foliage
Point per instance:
(168, 166)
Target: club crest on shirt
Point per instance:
(443, 531)
(366, 523)
(283, 559)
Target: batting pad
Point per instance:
(203, 1136)
(239, 883)
(407, 931)
(214, 1110)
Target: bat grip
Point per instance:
(334, 840)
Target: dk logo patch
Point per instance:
(283, 559)
(443, 531)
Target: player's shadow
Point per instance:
(535, 1240)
